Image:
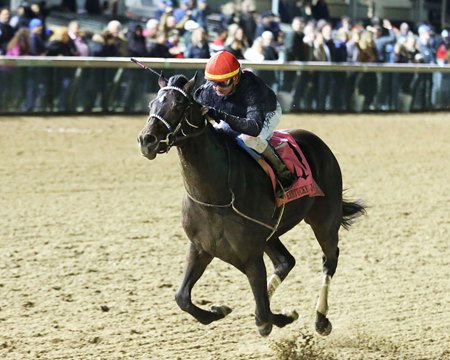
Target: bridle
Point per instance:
(175, 136)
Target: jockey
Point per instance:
(243, 101)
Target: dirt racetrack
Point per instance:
(92, 249)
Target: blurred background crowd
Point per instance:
(301, 31)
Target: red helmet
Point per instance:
(222, 66)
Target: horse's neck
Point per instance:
(205, 168)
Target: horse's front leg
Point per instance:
(256, 274)
(196, 263)
(282, 260)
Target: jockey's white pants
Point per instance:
(259, 143)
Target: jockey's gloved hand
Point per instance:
(216, 114)
(235, 122)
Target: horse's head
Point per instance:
(171, 116)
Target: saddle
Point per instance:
(289, 151)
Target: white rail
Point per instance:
(162, 63)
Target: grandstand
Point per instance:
(336, 76)
(436, 12)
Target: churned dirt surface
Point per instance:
(92, 249)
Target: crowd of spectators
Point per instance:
(182, 30)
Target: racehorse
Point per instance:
(229, 210)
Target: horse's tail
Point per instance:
(350, 211)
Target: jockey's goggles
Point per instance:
(221, 84)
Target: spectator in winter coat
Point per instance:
(426, 44)
(442, 52)
(384, 37)
(255, 53)
(427, 48)
(79, 41)
(96, 45)
(60, 44)
(367, 83)
(293, 43)
(115, 44)
(295, 49)
(136, 41)
(200, 13)
(236, 42)
(169, 23)
(132, 84)
(269, 22)
(38, 46)
(40, 11)
(12, 78)
(22, 17)
(198, 47)
(405, 51)
(247, 20)
(352, 45)
(151, 29)
(184, 11)
(94, 89)
(38, 81)
(403, 32)
(6, 30)
(270, 53)
(159, 47)
(19, 45)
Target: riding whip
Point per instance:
(142, 66)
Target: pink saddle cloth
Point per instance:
(288, 150)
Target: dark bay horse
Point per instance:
(229, 210)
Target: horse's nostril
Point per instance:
(148, 140)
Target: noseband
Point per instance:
(173, 135)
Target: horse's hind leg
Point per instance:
(328, 240)
(256, 274)
(196, 263)
(282, 260)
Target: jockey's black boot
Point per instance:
(285, 177)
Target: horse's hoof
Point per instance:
(323, 325)
(265, 329)
(285, 318)
(221, 310)
(290, 314)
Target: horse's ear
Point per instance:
(162, 81)
(190, 84)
